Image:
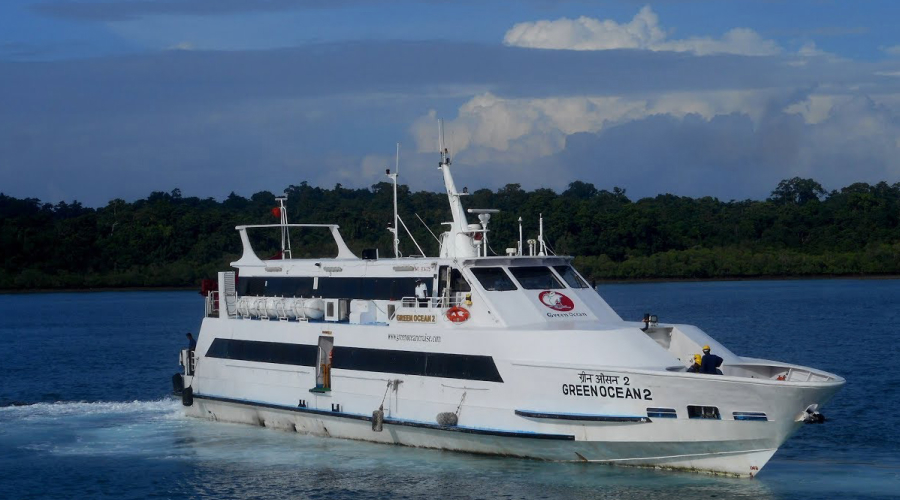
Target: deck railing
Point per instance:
(212, 304)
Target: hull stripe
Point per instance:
(394, 421)
(582, 417)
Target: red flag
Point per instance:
(276, 212)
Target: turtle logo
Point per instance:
(556, 301)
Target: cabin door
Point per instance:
(451, 285)
(444, 285)
(323, 363)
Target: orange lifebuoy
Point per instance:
(457, 314)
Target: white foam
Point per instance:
(163, 407)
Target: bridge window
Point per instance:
(570, 276)
(536, 278)
(493, 279)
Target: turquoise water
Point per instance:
(85, 411)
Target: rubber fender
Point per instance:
(187, 396)
(177, 383)
(447, 419)
(378, 420)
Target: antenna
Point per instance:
(484, 215)
(285, 235)
(396, 230)
(441, 138)
(542, 250)
(520, 237)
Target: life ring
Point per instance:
(458, 314)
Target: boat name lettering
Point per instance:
(566, 315)
(606, 391)
(601, 378)
(416, 318)
(414, 338)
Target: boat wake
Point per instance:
(167, 407)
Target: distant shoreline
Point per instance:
(817, 277)
(102, 289)
(598, 282)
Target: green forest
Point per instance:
(168, 240)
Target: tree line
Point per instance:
(170, 240)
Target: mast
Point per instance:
(460, 224)
(542, 250)
(519, 249)
(459, 241)
(285, 235)
(395, 229)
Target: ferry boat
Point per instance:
(511, 355)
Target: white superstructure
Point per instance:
(511, 355)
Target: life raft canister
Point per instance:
(458, 314)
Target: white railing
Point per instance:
(212, 304)
(431, 302)
(188, 361)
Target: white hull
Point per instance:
(738, 458)
(506, 418)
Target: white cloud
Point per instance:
(642, 32)
(893, 50)
(736, 142)
(809, 49)
(523, 128)
(182, 46)
(816, 108)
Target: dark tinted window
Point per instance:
(536, 278)
(710, 412)
(332, 288)
(568, 274)
(493, 279)
(756, 416)
(369, 288)
(458, 283)
(252, 286)
(662, 413)
(289, 287)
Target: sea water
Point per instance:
(86, 411)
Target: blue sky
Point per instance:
(115, 99)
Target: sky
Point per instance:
(106, 99)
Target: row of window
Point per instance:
(497, 279)
(331, 288)
(491, 278)
(706, 412)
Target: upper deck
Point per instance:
(464, 285)
(520, 291)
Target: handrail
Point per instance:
(430, 302)
(212, 304)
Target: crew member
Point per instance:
(421, 292)
(710, 363)
(695, 365)
(192, 344)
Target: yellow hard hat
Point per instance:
(697, 358)
(706, 347)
